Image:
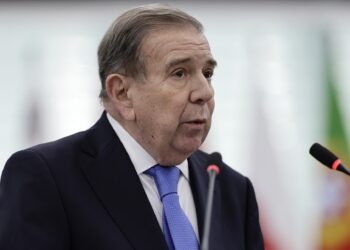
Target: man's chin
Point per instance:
(188, 147)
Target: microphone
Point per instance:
(327, 158)
(213, 170)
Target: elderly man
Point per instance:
(136, 179)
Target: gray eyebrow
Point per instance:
(177, 61)
(211, 62)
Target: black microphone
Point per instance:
(213, 170)
(327, 158)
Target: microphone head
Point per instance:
(213, 162)
(323, 155)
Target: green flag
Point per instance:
(335, 233)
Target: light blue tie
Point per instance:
(177, 229)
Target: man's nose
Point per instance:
(202, 90)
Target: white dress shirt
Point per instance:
(142, 161)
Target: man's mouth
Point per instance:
(196, 123)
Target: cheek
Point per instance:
(171, 107)
(161, 110)
(159, 118)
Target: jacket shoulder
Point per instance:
(61, 145)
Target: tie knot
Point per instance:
(166, 179)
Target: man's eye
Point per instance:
(181, 73)
(208, 74)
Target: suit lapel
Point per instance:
(112, 176)
(199, 186)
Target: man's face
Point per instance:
(174, 103)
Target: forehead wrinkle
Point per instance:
(174, 58)
(158, 47)
(175, 46)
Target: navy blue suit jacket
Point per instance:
(82, 192)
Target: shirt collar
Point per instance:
(140, 158)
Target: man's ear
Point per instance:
(117, 87)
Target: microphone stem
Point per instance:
(208, 212)
(343, 169)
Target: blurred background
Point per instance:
(282, 83)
